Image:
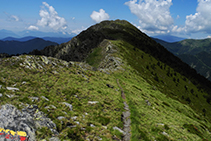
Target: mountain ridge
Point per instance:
(52, 39)
(18, 47)
(168, 38)
(80, 46)
(165, 98)
(193, 52)
(20, 34)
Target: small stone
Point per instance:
(50, 106)
(1, 94)
(68, 105)
(92, 125)
(161, 124)
(14, 85)
(77, 122)
(45, 98)
(93, 102)
(24, 82)
(34, 98)
(12, 89)
(55, 72)
(73, 126)
(74, 118)
(165, 134)
(99, 138)
(120, 130)
(60, 117)
(10, 96)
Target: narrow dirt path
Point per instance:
(125, 116)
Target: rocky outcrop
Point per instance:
(36, 62)
(110, 62)
(16, 124)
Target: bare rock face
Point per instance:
(17, 125)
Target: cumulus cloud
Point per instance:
(154, 15)
(208, 36)
(50, 18)
(77, 31)
(32, 27)
(201, 20)
(99, 16)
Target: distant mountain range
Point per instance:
(169, 38)
(196, 53)
(18, 47)
(7, 33)
(58, 40)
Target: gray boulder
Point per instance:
(25, 122)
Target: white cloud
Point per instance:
(15, 18)
(77, 31)
(177, 29)
(32, 27)
(208, 36)
(12, 17)
(50, 18)
(99, 16)
(154, 15)
(201, 20)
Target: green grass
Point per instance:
(95, 57)
(177, 110)
(71, 87)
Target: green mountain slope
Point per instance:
(196, 53)
(167, 99)
(187, 46)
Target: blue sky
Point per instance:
(184, 18)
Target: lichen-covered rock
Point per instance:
(25, 122)
(37, 62)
